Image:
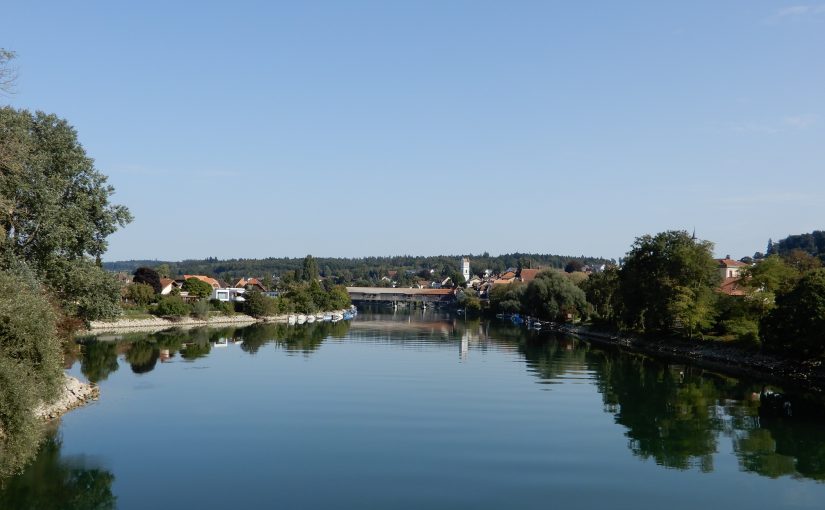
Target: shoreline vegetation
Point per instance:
(808, 375)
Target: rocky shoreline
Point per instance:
(74, 393)
(804, 375)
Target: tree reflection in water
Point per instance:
(52, 481)
(677, 415)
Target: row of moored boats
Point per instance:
(323, 317)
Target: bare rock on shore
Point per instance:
(74, 393)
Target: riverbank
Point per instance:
(74, 393)
(159, 323)
(718, 356)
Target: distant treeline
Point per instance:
(813, 244)
(345, 270)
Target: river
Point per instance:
(412, 410)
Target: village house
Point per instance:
(167, 285)
(730, 271)
(528, 275)
(729, 268)
(211, 281)
(250, 283)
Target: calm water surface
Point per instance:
(412, 411)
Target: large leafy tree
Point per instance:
(797, 324)
(600, 289)
(667, 284)
(552, 296)
(55, 211)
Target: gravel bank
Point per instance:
(157, 323)
(74, 393)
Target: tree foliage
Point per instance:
(600, 290)
(551, 296)
(667, 284)
(309, 270)
(172, 306)
(30, 367)
(148, 276)
(140, 293)
(55, 213)
(197, 288)
(797, 324)
(8, 74)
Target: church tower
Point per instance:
(465, 269)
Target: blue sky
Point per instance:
(378, 128)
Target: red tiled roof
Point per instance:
(164, 282)
(211, 281)
(509, 275)
(730, 263)
(731, 286)
(528, 275)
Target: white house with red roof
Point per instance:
(729, 268)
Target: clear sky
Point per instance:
(356, 128)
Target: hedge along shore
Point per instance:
(158, 323)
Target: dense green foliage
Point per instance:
(140, 293)
(552, 296)
(667, 284)
(148, 276)
(797, 323)
(197, 288)
(55, 213)
(257, 304)
(600, 290)
(30, 367)
(299, 298)
(201, 309)
(171, 306)
(813, 244)
(507, 298)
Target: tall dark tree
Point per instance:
(310, 269)
(573, 266)
(148, 276)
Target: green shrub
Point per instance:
(224, 307)
(258, 305)
(171, 306)
(200, 309)
(743, 328)
(140, 293)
